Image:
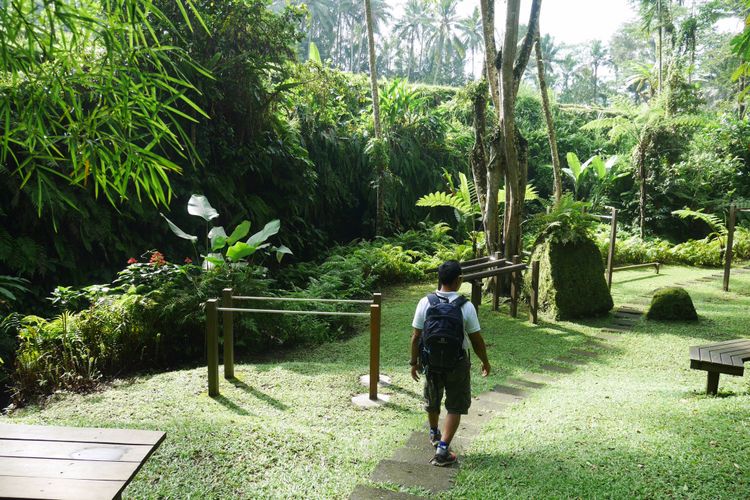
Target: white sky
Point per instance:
(574, 21)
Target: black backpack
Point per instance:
(442, 342)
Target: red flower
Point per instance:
(188, 260)
(157, 259)
(132, 260)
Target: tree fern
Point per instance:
(439, 199)
(713, 221)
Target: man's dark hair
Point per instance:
(448, 272)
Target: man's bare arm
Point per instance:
(477, 343)
(415, 359)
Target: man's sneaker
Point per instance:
(443, 458)
(435, 438)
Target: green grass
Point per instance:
(630, 423)
(634, 423)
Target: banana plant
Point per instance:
(221, 246)
(595, 168)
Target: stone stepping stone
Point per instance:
(499, 399)
(616, 328)
(581, 352)
(525, 383)
(625, 324)
(557, 368)
(607, 337)
(569, 360)
(362, 492)
(413, 455)
(513, 391)
(426, 476)
(539, 378)
(627, 317)
(629, 312)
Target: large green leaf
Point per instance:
(281, 251)
(261, 236)
(179, 232)
(575, 165)
(218, 237)
(314, 54)
(199, 206)
(240, 250)
(239, 232)
(599, 167)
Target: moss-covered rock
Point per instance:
(571, 280)
(672, 304)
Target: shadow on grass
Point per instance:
(232, 406)
(258, 394)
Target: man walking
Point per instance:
(445, 323)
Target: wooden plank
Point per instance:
(74, 451)
(495, 272)
(81, 434)
(67, 469)
(735, 357)
(706, 350)
(716, 352)
(740, 359)
(695, 353)
(64, 489)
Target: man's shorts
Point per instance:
(455, 384)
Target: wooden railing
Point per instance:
(228, 309)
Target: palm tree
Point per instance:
(471, 35)
(411, 27)
(443, 39)
(598, 57)
(551, 135)
(378, 144)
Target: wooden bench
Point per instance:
(71, 462)
(723, 357)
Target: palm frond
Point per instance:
(713, 221)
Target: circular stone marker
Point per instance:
(384, 381)
(364, 401)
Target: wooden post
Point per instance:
(712, 384)
(611, 253)
(374, 350)
(476, 294)
(496, 287)
(534, 294)
(515, 288)
(228, 323)
(212, 346)
(730, 244)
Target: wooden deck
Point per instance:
(71, 462)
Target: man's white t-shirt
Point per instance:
(471, 321)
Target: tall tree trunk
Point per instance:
(551, 135)
(660, 44)
(642, 148)
(488, 29)
(478, 158)
(380, 203)
(508, 156)
(411, 56)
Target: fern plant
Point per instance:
(718, 228)
(10, 286)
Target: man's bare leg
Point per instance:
(452, 421)
(433, 419)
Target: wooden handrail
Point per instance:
(495, 272)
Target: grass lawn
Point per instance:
(631, 422)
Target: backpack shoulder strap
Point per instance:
(433, 299)
(460, 301)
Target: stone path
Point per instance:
(409, 466)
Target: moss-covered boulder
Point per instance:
(672, 304)
(571, 280)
